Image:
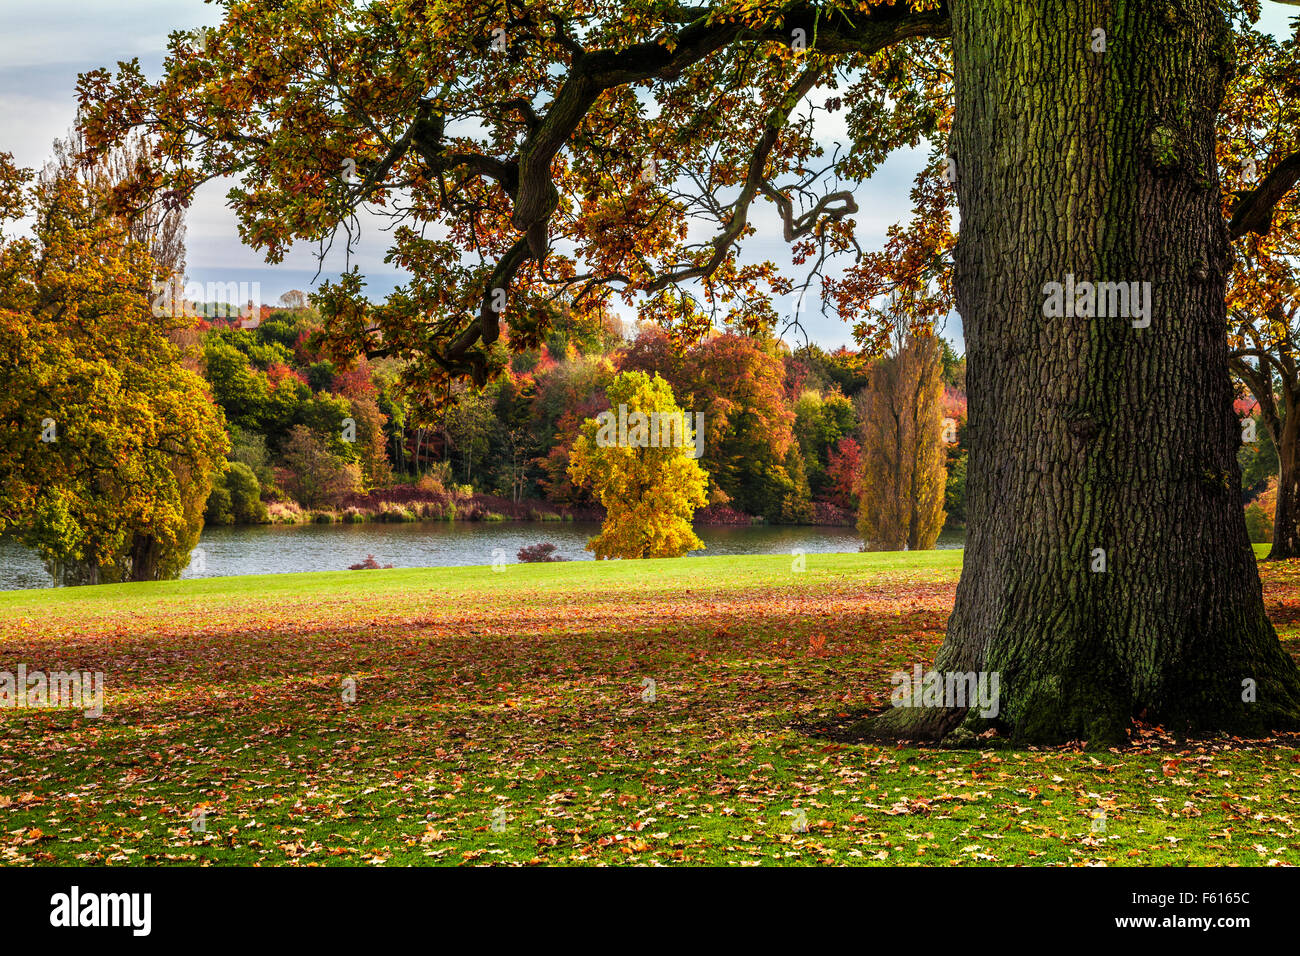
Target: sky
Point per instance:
(44, 44)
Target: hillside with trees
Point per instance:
(314, 439)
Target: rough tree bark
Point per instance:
(146, 556)
(1089, 433)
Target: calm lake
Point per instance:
(275, 549)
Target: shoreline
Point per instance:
(408, 503)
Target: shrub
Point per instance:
(539, 553)
(440, 474)
(431, 484)
(370, 564)
(391, 511)
(245, 494)
(236, 497)
(284, 512)
(217, 510)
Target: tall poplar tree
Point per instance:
(903, 477)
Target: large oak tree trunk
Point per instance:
(1088, 434)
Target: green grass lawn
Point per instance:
(504, 718)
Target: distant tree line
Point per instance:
(783, 429)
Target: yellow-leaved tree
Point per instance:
(108, 444)
(642, 460)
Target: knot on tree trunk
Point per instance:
(1083, 425)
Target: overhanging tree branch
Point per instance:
(535, 196)
(1254, 212)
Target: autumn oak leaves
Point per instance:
(534, 147)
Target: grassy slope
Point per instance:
(516, 698)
